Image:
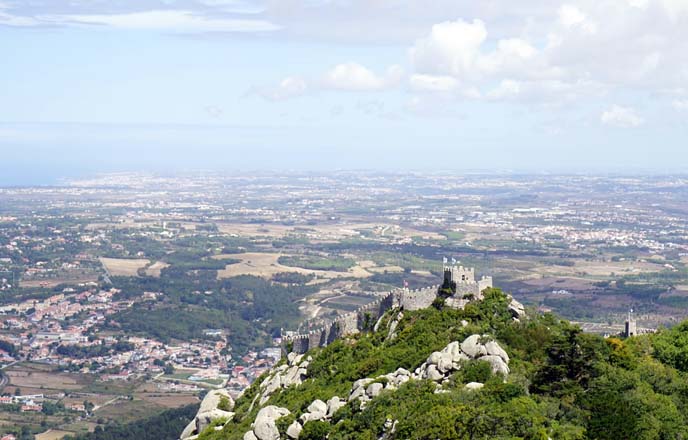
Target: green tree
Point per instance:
(671, 346)
(622, 406)
(571, 359)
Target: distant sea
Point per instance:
(10, 177)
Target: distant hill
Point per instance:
(476, 373)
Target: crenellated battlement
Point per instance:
(461, 274)
(365, 317)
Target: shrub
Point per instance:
(475, 371)
(315, 430)
(224, 404)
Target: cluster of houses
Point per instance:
(28, 403)
(38, 328)
(254, 365)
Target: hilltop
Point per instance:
(474, 372)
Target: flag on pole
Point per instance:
(444, 260)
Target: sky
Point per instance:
(90, 86)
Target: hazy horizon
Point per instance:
(64, 176)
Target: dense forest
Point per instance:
(563, 383)
(164, 426)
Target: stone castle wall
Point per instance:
(475, 288)
(415, 299)
(484, 283)
(365, 317)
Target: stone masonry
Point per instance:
(364, 318)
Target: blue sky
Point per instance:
(581, 85)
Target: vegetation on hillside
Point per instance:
(564, 384)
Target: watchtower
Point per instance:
(630, 327)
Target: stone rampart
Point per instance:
(365, 317)
(416, 299)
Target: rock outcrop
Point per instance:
(366, 389)
(334, 405)
(441, 364)
(516, 308)
(208, 413)
(265, 426)
(294, 430)
(438, 367)
(474, 385)
(286, 375)
(316, 411)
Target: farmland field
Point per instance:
(267, 264)
(123, 267)
(155, 268)
(110, 398)
(53, 434)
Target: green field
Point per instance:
(312, 262)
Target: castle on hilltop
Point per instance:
(462, 280)
(458, 288)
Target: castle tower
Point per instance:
(630, 327)
(448, 276)
(462, 274)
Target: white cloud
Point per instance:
(451, 48)
(562, 52)
(457, 49)
(216, 16)
(675, 8)
(169, 20)
(289, 87)
(355, 77)
(625, 117)
(570, 15)
(16, 21)
(555, 55)
(8, 19)
(349, 76)
(512, 56)
(555, 51)
(455, 53)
